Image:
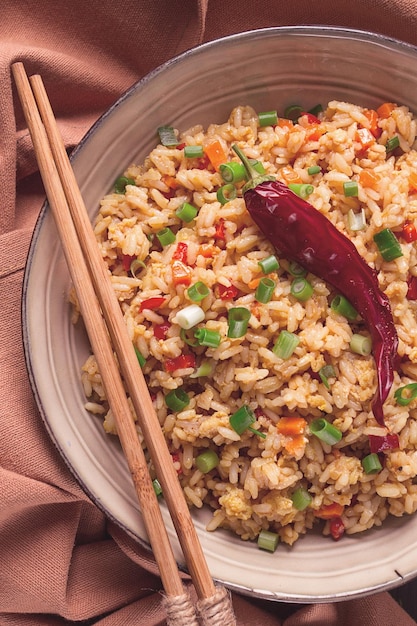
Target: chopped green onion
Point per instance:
(207, 337)
(360, 344)
(316, 110)
(198, 291)
(314, 169)
(135, 267)
(140, 357)
(165, 236)
(285, 344)
(157, 487)
(257, 165)
(342, 306)
(268, 118)
(238, 319)
(392, 143)
(325, 431)
(242, 419)
(268, 540)
(295, 269)
(186, 339)
(190, 316)
(167, 136)
(388, 245)
(193, 152)
(301, 289)
(121, 182)
(350, 188)
(293, 112)
(301, 499)
(232, 172)
(265, 290)
(269, 264)
(206, 461)
(226, 193)
(303, 190)
(186, 212)
(177, 399)
(326, 372)
(205, 369)
(356, 221)
(405, 395)
(371, 464)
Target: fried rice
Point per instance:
(252, 486)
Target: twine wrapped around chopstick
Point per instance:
(97, 299)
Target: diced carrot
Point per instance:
(284, 123)
(170, 181)
(289, 175)
(314, 132)
(216, 154)
(365, 138)
(291, 426)
(328, 511)
(295, 444)
(412, 180)
(368, 178)
(372, 117)
(207, 250)
(181, 273)
(252, 284)
(386, 109)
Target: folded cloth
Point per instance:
(62, 561)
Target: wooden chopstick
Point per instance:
(99, 298)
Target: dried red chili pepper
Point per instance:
(160, 331)
(181, 252)
(337, 528)
(379, 443)
(303, 234)
(183, 361)
(152, 303)
(412, 288)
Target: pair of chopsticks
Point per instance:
(108, 336)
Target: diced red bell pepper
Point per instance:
(337, 528)
(181, 252)
(329, 511)
(412, 288)
(160, 331)
(312, 119)
(409, 232)
(379, 443)
(177, 462)
(227, 293)
(220, 233)
(127, 261)
(152, 303)
(183, 361)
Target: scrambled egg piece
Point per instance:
(236, 504)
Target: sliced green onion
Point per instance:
(242, 419)
(371, 464)
(350, 188)
(257, 165)
(268, 118)
(226, 193)
(205, 369)
(140, 357)
(269, 264)
(190, 316)
(342, 306)
(268, 540)
(326, 372)
(193, 152)
(177, 399)
(325, 431)
(157, 487)
(303, 190)
(207, 461)
(314, 169)
(360, 344)
(265, 290)
(293, 112)
(301, 499)
(388, 245)
(165, 236)
(356, 221)
(136, 266)
(186, 212)
(232, 172)
(121, 182)
(285, 344)
(295, 269)
(238, 320)
(301, 289)
(198, 291)
(405, 395)
(207, 337)
(167, 136)
(392, 143)
(186, 339)
(316, 110)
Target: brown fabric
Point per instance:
(61, 561)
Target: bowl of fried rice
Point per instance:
(263, 370)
